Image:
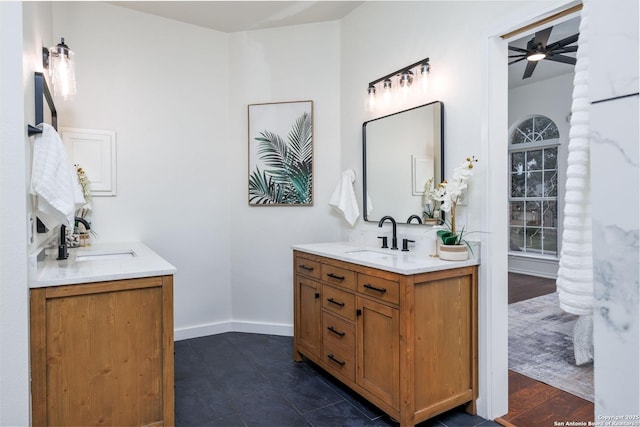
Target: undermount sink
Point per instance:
(107, 255)
(370, 254)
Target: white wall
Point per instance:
(177, 97)
(551, 98)
(14, 333)
(275, 65)
(162, 86)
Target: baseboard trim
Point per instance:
(231, 326)
(532, 266)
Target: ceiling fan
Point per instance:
(538, 49)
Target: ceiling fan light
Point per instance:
(536, 56)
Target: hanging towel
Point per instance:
(54, 180)
(575, 267)
(344, 197)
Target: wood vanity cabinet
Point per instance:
(406, 343)
(102, 353)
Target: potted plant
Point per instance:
(448, 193)
(430, 212)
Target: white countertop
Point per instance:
(102, 262)
(396, 261)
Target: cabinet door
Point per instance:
(308, 322)
(378, 350)
(101, 353)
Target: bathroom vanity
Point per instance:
(102, 338)
(398, 328)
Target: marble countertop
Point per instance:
(396, 261)
(96, 263)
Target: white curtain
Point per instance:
(575, 273)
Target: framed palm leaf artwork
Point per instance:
(281, 154)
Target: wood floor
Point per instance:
(533, 403)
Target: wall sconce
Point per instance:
(58, 60)
(404, 78)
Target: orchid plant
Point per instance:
(428, 201)
(449, 193)
(85, 184)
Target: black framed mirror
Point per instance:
(400, 152)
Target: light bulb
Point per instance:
(424, 76)
(406, 78)
(387, 85)
(62, 71)
(371, 91)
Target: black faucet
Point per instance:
(84, 222)
(63, 253)
(412, 217)
(394, 239)
(62, 247)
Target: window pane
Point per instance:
(550, 183)
(534, 184)
(534, 160)
(551, 158)
(516, 239)
(550, 132)
(517, 185)
(534, 214)
(524, 130)
(534, 239)
(550, 242)
(550, 214)
(516, 213)
(517, 162)
(517, 137)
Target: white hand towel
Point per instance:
(54, 180)
(344, 197)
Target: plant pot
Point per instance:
(453, 252)
(430, 221)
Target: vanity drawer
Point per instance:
(338, 276)
(337, 331)
(377, 287)
(307, 267)
(339, 302)
(340, 360)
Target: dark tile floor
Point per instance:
(240, 379)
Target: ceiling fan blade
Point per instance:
(518, 60)
(561, 58)
(565, 41)
(542, 37)
(518, 49)
(566, 49)
(528, 71)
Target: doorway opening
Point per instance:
(539, 107)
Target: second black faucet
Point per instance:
(394, 238)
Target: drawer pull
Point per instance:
(339, 362)
(333, 276)
(373, 288)
(305, 267)
(332, 301)
(332, 329)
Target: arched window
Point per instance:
(533, 198)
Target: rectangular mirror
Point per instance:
(401, 152)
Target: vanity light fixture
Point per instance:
(58, 60)
(404, 78)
